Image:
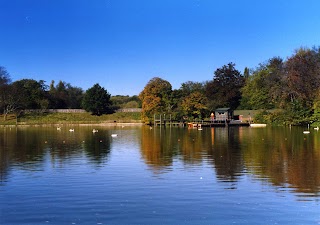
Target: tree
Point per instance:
(255, 94)
(263, 89)
(74, 97)
(303, 76)
(13, 100)
(156, 98)
(97, 100)
(246, 73)
(4, 84)
(65, 96)
(4, 76)
(125, 101)
(189, 87)
(31, 94)
(224, 89)
(195, 105)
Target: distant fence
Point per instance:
(129, 110)
(55, 110)
(67, 110)
(77, 110)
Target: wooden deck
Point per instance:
(197, 124)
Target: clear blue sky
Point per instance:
(122, 44)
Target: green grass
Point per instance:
(72, 118)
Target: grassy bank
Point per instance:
(71, 118)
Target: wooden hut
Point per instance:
(223, 114)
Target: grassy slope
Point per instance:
(65, 118)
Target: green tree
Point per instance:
(65, 96)
(4, 84)
(156, 98)
(31, 94)
(246, 73)
(224, 89)
(263, 89)
(189, 87)
(97, 100)
(125, 101)
(74, 97)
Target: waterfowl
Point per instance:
(71, 130)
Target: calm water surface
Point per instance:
(236, 175)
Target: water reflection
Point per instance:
(226, 153)
(286, 158)
(26, 147)
(97, 147)
(283, 157)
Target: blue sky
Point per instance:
(122, 44)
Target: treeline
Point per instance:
(292, 86)
(31, 94)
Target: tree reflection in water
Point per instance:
(281, 156)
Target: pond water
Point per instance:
(235, 175)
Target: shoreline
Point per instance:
(74, 124)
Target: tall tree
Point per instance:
(224, 89)
(74, 97)
(4, 83)
(246, 73)
(13, 100)
(189, 87)
(4, 76)
(97, 100)
(195, 105)
(303, 76)
(32, 94)
(155, 98)
(263, 90)
(64, 95)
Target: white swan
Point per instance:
(71, 130)
(316, 128)
(114, 135)
(94, 131)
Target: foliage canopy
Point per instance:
(97, 100)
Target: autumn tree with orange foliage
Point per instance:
(155, 98)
